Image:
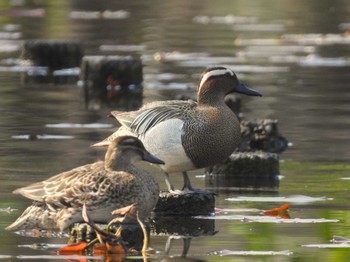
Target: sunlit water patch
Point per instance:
(336, 242)
(300, 199)
(77, 125)
(226, 252)
(270, 219)
(42, 137)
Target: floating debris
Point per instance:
(12, 27)
(22, 12)
(73, 257)
(335, 245)
(177, 56)
(258, 42)
(268, 51)
(340, 239)
(8, 209)
(270, 219)
(316, 60)
(226, 252)
(336, 242)
(72, 125)
(280, 212)
(41, 233)
(10, 35)
(75, 71)
(236, 210)
(31, 70)
(167, 86)
(259, 69)
(300, 199)
(41, 137)
(42, 246)
(107, 14)
(122, 48)
(316, 39)
(164, 77)
(228, 19)
(260, 27)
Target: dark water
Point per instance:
(294, 52)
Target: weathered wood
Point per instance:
(47, 56)
(262, 135)
(246, 171)
(185, 204)
(114, 81)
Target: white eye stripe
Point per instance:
(215, 72)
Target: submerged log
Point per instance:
(249, 171)
(48, 56)
(262, 135)
(114, 81)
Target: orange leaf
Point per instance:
(99, 249)
(281, 212)
(73, 248)
(115, 248)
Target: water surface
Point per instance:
(294, 52)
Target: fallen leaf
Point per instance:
(73, 248)
(281, 212)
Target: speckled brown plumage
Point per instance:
(103, 186)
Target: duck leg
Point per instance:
(187, 188)
(170, 185)
(187, 183)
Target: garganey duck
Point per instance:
(188, 135)
(102, 186)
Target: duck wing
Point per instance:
(58, 184)
(98, 190)
(151, 114)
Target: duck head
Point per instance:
(125, 150)
(219, 81)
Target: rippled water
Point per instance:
(294, 52)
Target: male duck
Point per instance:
(188, 135)
(102, 186)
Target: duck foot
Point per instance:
(187, 187)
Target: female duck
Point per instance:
(189, 135)
(102, 186)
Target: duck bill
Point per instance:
(243, 89)
(152, 159)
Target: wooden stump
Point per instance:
(250, 171)
(262, 135)
(47, 56)
(185, 204)
(182, 226)
(114, 81)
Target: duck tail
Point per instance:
(122, 131)
(29, 219)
